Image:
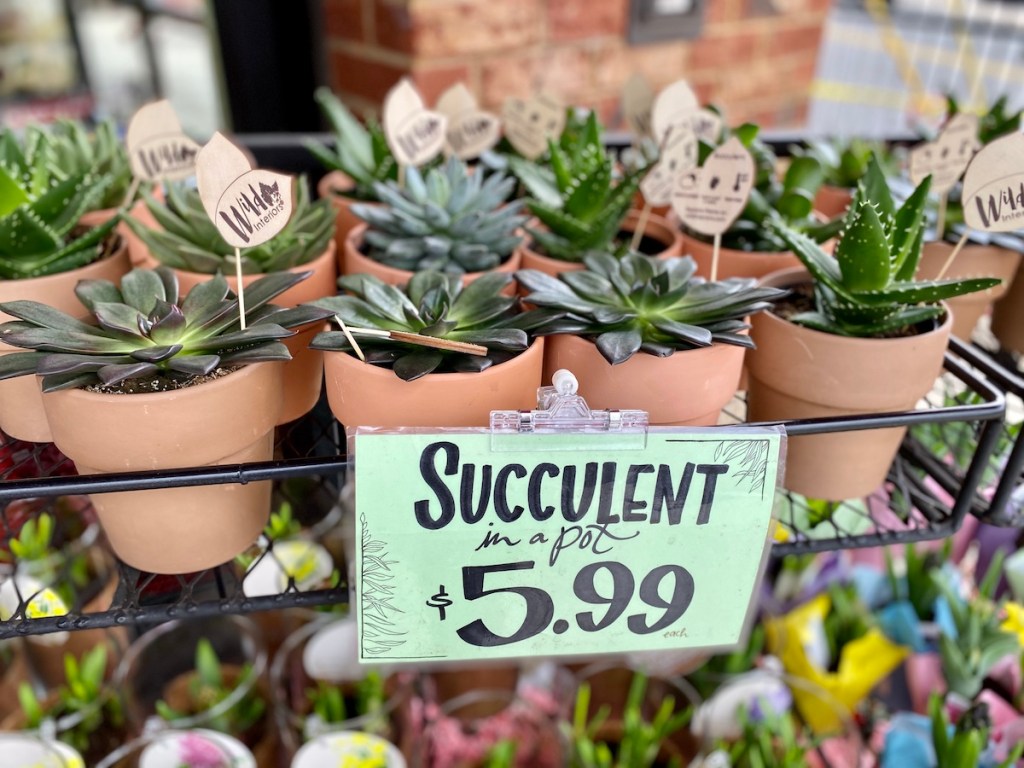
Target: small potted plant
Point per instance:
(163, 381)
(192, 748)
(770, 739)
(860, 322)
(201, 673)
(448, 219)
(844, 163)
(751, 247)
(47, 266)
(185, 240)
(351, 749)
(584, 207)
(646, 333)
(359, 160)
(403, 383)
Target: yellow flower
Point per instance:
(1014, 621)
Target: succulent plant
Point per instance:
(190, 241)
(144, 329)
(637, 303)
(432, 304)
(40, 206)
(360, 153)
(76, 149)
(579, 199)
(994, 123)
(845, 161)
(868, 288)
(449, 220)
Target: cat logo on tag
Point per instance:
(415, 134)
(709, 199)
(471, 131)
(158, 149)
(248, 207)
(946, 158)
(678, 155)
(530, 123)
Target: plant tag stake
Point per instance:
(675, 104)
(559, 542)
(158, 149)
(530, 123)
(993, 194)
(471, 131)
(678, 154)
(248, 207)
(415, 134)
(637, 103)
(945, 159)
(709, 199)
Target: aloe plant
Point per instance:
(360, 153)
(868, 288)
(145, 329)
(637, 303)
(448, 219)
(76, 149)
(996, 122)
(432, 304)
(189, 241)
(579, 199)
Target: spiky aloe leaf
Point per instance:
(863, 252)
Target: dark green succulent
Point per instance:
(637, 303)
(448, 220)
(579, 198)
(868, 289)
(432, 304)
(144, 329)
(360, 153)
(40, 205)
(188, 239)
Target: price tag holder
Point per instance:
(559, 540)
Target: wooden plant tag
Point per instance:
(247, 206)
(637, 102)
(994, 186)
(677, 156)
(709, 199)
(471, 131)
(158, 149)
(707, 125)
(674, 105)
(415, 134)
(947, 156)
(529, 123)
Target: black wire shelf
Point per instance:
(923, 498)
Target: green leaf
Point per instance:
(618, 346)
(142, 288)
(417, 364)
(863, 251)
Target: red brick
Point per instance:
(452, 27)
(735, 51)
(577, 19)
(343, 19)
(433, 81)
(393, 26)
(614, 62)
(800, 38)
(724, 11)
(370, 80)
(565, 72)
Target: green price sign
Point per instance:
(470, 546)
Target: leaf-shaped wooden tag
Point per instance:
(158, 149)
(676, 103)
(707, 125)
(247, 206)
(946, 157)
(637, 102)
(529, 123)
(994, 186)
(415, 134)
(677, 156)
(471, 130)
(709, 199)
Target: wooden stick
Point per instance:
(940, 219)
(953, 255)
(241, 288)
(132, 189)
(641, 225)
(401, 176)
(423, 341)
(351, 339)
(714, 256)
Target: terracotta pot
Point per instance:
(799, 373)
(229, 420)
(335, 186)
(658, 228)
(687, 388)
(1008, 314)
(733, 263)
(368, 395)
(137, 250)
(832, 201)
(21, 407)
(354, 262)
(972, 261)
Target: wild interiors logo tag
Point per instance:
(993, 191)
(251, 208)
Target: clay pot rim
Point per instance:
(337, 183)
(116, 250)
(593, 342)
(782, 279)
(691, 235)
(632, 214)
(88, 398)
(316, 262)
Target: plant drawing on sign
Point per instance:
(379, 634)
(751, 459)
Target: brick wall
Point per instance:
(757, 66)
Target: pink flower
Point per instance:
(199, 752)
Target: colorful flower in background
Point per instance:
(199, 752)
